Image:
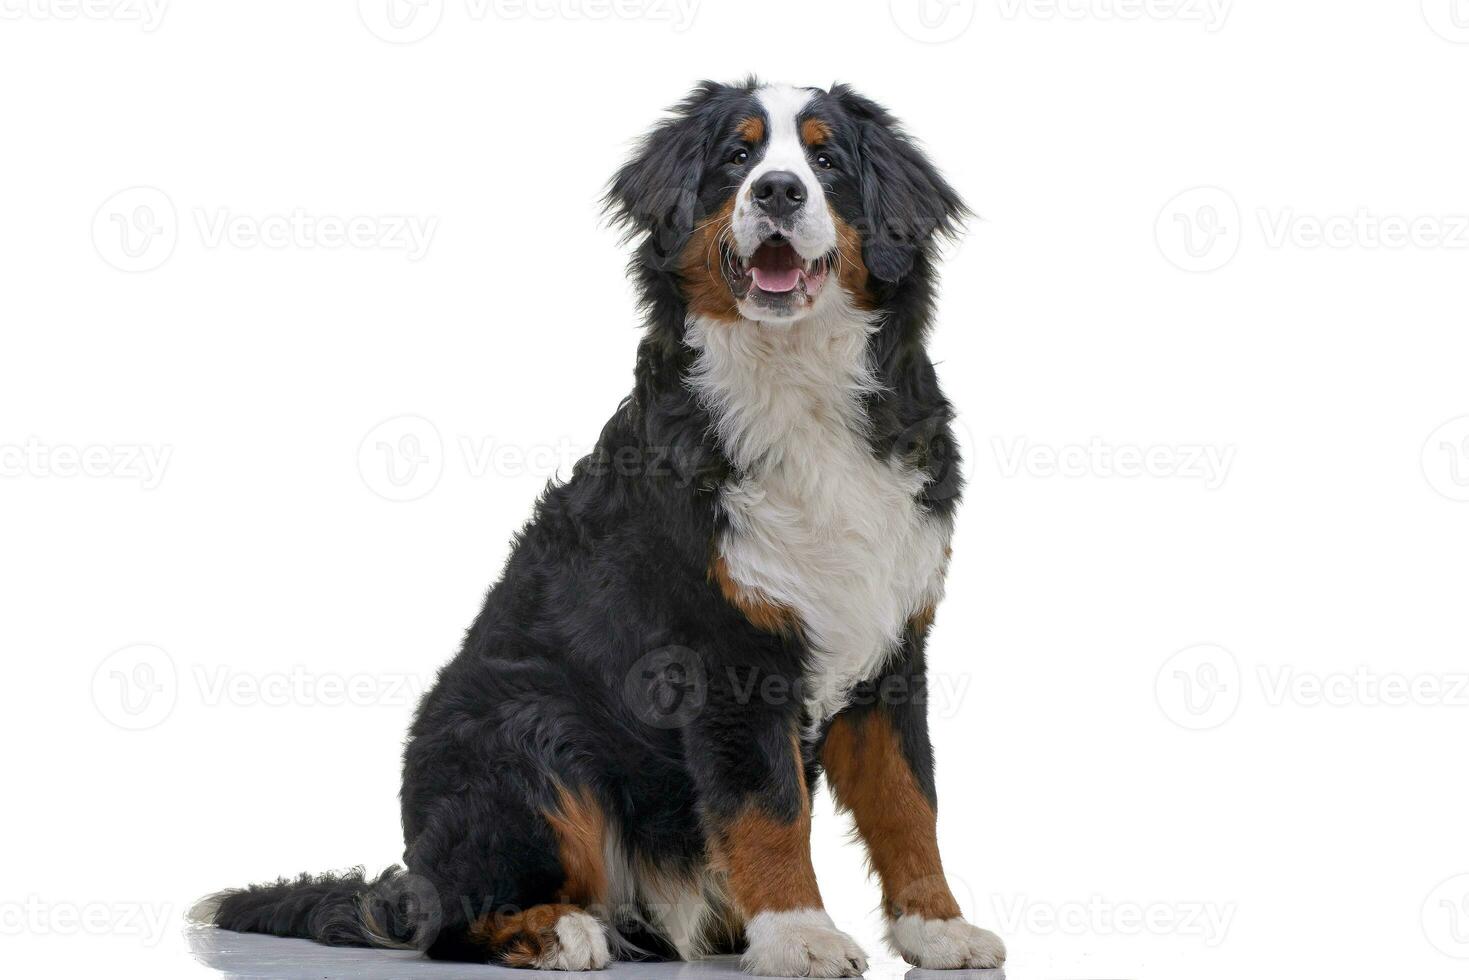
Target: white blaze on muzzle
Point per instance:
(810, 229)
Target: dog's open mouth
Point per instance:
(776, 276)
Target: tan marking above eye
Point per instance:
(752, 129)
(815, 132)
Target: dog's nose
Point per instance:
(780, 193)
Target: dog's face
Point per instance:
(765, 201)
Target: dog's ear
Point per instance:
(905, 200)
(657, 190)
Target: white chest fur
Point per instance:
(816, 523)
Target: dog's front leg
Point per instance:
(745, 758)
(879, 763)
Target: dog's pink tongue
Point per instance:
(776, 280)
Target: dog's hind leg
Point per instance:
(516, 881)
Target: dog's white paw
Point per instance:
(945, 944)
(805, 943)
(581, 944)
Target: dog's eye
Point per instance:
(823, 161)
(740, 156)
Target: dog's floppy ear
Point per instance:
(905, 200)
(657, 190)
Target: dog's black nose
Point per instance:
(780, 193)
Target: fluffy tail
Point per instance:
(395, 909)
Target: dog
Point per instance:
(727, 600)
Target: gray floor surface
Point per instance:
(235, 954)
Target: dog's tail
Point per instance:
(396, 910)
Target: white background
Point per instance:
(1170, 716)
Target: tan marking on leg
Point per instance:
(768, 860)
(758, 609)
(752, 129)
(580, 827)
(814, 132)
(521, 938)
(870, 777)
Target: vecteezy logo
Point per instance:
(136, 687)
(667, 688)
(932, 21)
(402, 459)
(1446, 459)
(1446, 917)
(401, 21)
(1198, 687)
(1199, 230)
(135, 230)
(1448, 18)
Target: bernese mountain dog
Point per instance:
(727, 601)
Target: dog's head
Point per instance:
(763, 201)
